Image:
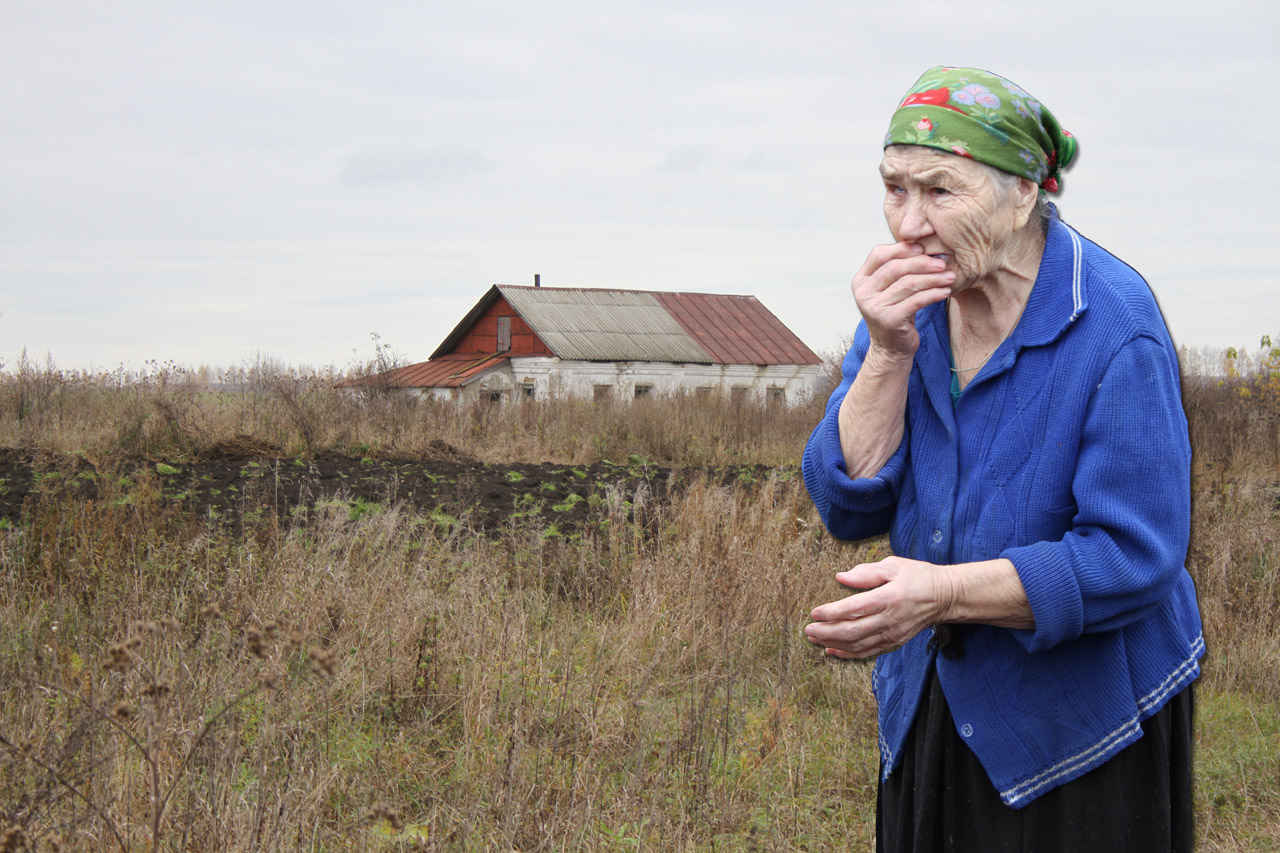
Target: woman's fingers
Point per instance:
(899, 601)
(895, 282)
(856, 638)
(863, 637)
(883, 254)
(850, 607)
(881, 272)
(864, 576)
(913, 300)
(904, 292)
(904, 286)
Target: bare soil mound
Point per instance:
(242, 445)
(236, 482)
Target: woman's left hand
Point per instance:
(902, 598)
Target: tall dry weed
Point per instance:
(389, 681)
(171, 413)
(647, 683)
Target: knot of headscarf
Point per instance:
(975, 113)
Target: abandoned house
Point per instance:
(556, 342)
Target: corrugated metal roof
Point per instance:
(736, 329)
(446, 371)
(604, 325)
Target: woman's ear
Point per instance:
(1024, 202)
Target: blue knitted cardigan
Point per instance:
(1068, 455)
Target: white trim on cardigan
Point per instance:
(1113, 740)
(1077, 274)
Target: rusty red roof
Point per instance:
(446, 371)
(736, 329)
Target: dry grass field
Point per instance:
(203, 664)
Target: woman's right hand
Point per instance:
(895, 282)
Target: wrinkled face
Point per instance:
(951, 206)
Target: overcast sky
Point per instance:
(207, 183)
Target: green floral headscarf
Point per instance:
(975, 113)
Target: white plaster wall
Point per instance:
(552, 378)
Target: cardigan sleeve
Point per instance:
(851, 508)
(1127, 545)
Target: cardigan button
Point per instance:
(966, 730)
(937, 537)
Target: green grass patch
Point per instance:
(1237, 769)
(442, 519)
(359, 508)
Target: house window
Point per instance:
(492, 396)
(777, 396)
(643, 391)
(527, 388)
(504, 334)
(601, 393)
(702, 392)
(738, 394)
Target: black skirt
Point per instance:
(939, 798)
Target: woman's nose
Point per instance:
(915, 223)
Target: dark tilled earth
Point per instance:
(237, 481)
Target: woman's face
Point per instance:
(952, 207)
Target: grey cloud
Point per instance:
(391, 167)
(686, 158)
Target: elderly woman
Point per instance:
(1010, 413)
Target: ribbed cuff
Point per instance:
(861, 494)
(1052, 591)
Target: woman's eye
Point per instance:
(893, 189)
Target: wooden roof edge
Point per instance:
(464, 325)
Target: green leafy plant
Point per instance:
(571, 500)
(360, 508)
